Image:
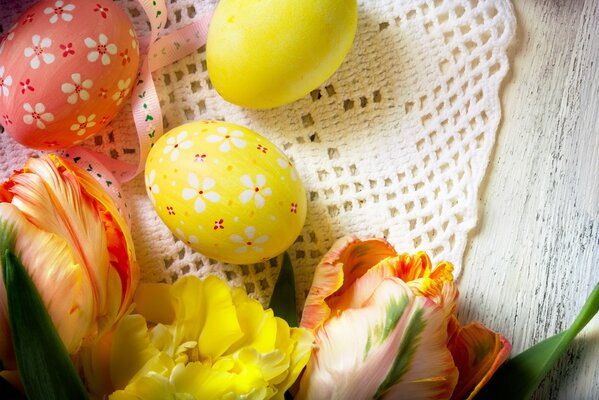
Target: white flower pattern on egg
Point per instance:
(227, 138)
(5, 83)
(123, 91)
(174, 144)
(285, 163)
(39, 51)
(83, 123)
(153, 187)
(256, 191)
(59, 11)
(189, 240)
(37, 114)
(101, 49)
(248, 242)
(77, 89)
(200, 192)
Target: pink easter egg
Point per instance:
(66, 68)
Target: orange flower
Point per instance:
(385, 327)
(76, 246)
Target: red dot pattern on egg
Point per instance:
(66, 68)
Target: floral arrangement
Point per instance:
(76, 323)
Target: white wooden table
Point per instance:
(534, 257)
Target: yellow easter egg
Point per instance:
(266, 53)
(226, 191)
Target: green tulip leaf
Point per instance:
(519, 377)
(282, 301)
(43, 362)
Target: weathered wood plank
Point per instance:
(534, 257)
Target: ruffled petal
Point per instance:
(205, 313)
(118, 234)
(397, 345)
(62, 282)
(477, 352)
(155, 302)
(348, 259)
(130, 350)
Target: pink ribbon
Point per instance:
(159, 52)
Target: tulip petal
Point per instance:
(151, 382)
(130, 350)
(54, 201)
(299, 345)
(477, 352)
(362, 289)
(203, 382)
(259, 326)
(418, 272)
(206, 314)
(348, 259)
(63, 284)
(152, 301)
(120, 242)
(397, 346)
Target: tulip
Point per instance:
(76, 247)
(386, 328)
(198, 339)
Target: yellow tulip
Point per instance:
(76, 247)
(386, 328)
(198, 340)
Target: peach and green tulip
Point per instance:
(76, 248)
(386, 328)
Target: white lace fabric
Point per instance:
(394, 145)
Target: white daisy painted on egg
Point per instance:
(122, 92)
(5, 82)
(227, 138)
(101, 49)
(37, 114)
(39, 52)
(153, 187)
(249, 240)
(189, 240)
(284, 163)
(175, 144)
(59, 11)
(83, 123)
(200, 192)
(133, 41)
(256, 190)
(77, 89)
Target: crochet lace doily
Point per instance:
(394, 145)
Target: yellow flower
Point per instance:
(386, 328)
(76, 247)
(199, 340)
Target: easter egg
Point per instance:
(266, 53)
(226, 191)
(66, 68)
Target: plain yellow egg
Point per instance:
(266, 53)
(226, 191)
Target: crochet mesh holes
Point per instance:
(423, 200)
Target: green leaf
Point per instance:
(44, 365)
(519, 377)
(282, 301)
(8, 392)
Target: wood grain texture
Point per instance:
(534, 257)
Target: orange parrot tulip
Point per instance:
(76, 247)
(386, 328)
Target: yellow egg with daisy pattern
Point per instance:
(226, 191)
